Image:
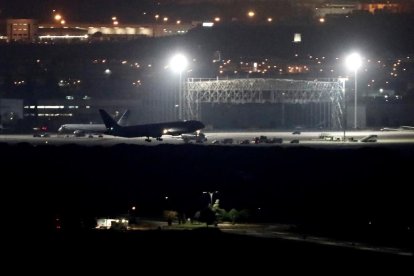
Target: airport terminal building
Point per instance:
(29, 30)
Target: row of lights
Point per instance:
(250, 14)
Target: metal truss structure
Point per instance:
(259, 91)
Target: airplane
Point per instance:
(149, 130)
(82, 129)
(401, 128)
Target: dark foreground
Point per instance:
(350, 194)
(201, 249)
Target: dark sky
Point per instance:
(75, 10)
(128, 11)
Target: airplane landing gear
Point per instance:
(159, 139)
(148, 140)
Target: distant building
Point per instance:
(387, 7)
(336, 8)
(10, 109)
(347, 7)
(21, 29)
(112, 223)
(28, 30)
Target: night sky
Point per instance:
(75, 10)
(129, 11)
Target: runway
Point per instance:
(311, 138)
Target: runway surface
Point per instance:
(313, 138)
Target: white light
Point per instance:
(178, 63)
(208, 24)
(297, 37)
(354, 61)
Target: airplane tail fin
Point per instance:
(108, 120)
(123, 120)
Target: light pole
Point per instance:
(211, 196)
(344, 111)
(179, 63)
(354, 62)
(131, 213)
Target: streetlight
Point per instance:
(178, 63)
(344, 112)
(211, 196)
(131, 213)
(354, 62)
(58, 17)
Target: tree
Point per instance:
(244, 215)
(197, 215)
(208, 216)
(170, 215)
(222, 215)
(234, 215)
(216, 205)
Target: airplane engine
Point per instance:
(79, 133)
